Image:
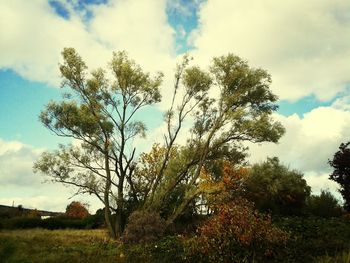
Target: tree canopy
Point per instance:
(275, 188)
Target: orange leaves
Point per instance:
(221, 185)
(235, 225)
(76, 210)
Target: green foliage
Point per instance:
(95, 221)
(275, 188)
(314, 237)
(324, 205)
(143, 227)
(341, 173)
(49, 223)
(168, 249)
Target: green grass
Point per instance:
(38, 245)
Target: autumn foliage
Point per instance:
(238, 228)
(76, 210)
(222, 183)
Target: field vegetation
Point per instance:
(40, 245)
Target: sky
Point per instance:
(304, 45)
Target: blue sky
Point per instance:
(304, 46)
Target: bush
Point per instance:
(314, 237)
(237, 233)
(21, 223)
(50, 223)
(94, 221)
(168, 249)
(144, 226)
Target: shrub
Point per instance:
(33, 214)
(237, 233)
(93, 221)
(50, 223)
(144, 226)
(167, 249)
(314, 237)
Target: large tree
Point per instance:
(341, 173)
(240, 110)
(100, 114)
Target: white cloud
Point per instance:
(33, 35)
(320, 182)
(16, 160)
(303, 44)
(140, 27)
(19, 184)
(309, 143)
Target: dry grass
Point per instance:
(38, 245)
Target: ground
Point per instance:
(38, 245)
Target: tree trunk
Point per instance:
(109, 224)
(119, 224)
(119, 229)
(108, 216)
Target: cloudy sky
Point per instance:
(305, 46)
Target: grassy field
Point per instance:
(325, 245)
(38, 245)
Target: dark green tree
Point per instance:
(275, 188)
(324, 205)
(341, 173)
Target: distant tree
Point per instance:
(274, 187)
(324, 205)
(341, 173)
(76, 210)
